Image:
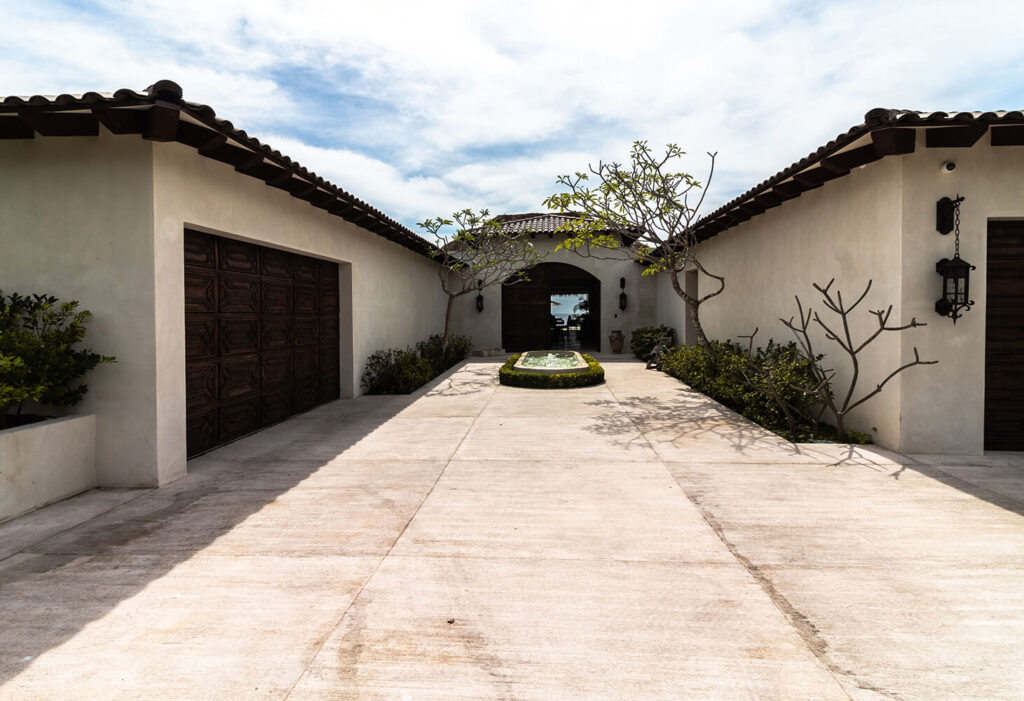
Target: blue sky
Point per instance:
(423, 108)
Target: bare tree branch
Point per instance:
(824, 392)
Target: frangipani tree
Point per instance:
(475, 252)
(647, 202)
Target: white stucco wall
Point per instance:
(943, 411)
(485, 327)
(879, 223)
(670, 309)
(390, 296)
(848, 229)
(78, 224)
(45, 462)
(101, 220)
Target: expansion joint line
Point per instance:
(380, 563)
(800, 623)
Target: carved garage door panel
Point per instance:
(261, 337)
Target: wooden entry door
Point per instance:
(526, 312)
(1004, 337)
(261, 337)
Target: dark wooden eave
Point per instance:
(954, 137)
(60, 123)
(160, 114)
(1008, 136)
(884, 133)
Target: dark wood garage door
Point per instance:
(1004, 337)
(261, 337)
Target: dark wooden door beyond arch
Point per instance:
(526, 306)
(261, 337)
(1004, 337)
(525, 312)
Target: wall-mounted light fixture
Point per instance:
(955, 272)
(479, 295)
(622, 295)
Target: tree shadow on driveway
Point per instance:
(682, 425)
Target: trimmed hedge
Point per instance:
(644, 339)
(404, 370)
(508, 375)
(740, 382)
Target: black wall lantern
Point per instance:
(955, 272)
(479, 295)
(622, 295)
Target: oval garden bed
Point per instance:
(541, 378)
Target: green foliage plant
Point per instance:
(786, 387)
(781, 374)
(762, 384)
(643, 339)
(475, 252)
(396, 371)
(509, 375)
(442, 358)
(39, 360)
(647, 202)
(404, 370)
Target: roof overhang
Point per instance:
(884, 133)
(160, 114)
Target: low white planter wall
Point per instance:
(44, 462)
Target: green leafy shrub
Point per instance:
(781, 377)
(15, 384)
(768, 386)
(38, 358)
(458, 349)
(719, 378)
(508, 375)
(644, 339)
(396, 371)
(404, 370)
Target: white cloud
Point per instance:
(483, 103)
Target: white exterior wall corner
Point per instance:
(389, 295)
(848, 229)
(944, 405)
(485, 327)
(78, 224)
(671, 310)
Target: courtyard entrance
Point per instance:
(558, 307)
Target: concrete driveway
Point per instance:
(632, 540)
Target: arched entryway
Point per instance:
(558, 307)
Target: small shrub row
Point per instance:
(508, 375)
(767, 386)
(644, 339)
(404, 370)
